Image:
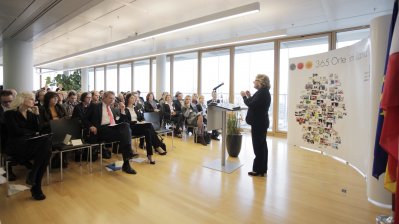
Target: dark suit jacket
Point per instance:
(45, 116)
(94, 115)
(139, 112)
(177, 105)
(258, 109)
(148, 107)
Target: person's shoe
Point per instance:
(215, 138)
(163, 146)
(141, 146)
(37, 193)
(135, 155)
(160, 151)
(255, 174)
(127, 168)
(150, 160)
(201, 140)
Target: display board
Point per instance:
(328, 103)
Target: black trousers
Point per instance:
(121, 133)
(150, 136)
(260, 149)
(38, 150)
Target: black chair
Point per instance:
(60, 129)
(154, 119)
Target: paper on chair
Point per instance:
(16, 188)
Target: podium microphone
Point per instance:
(221, 84)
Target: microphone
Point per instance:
(221, 84)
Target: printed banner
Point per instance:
(328, 103)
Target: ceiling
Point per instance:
(61, 28)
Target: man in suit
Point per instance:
(110, 125)
(215, 133)
(258, 118)
(6, 98)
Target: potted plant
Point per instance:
(234, 136)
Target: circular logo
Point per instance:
(300, 65)
(309, 64)
(292, 67)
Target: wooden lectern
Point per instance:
(217, 119)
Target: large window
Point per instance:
(99, 85)
(249, 61)
(141, 77)
(36, 78)
(154, 76)
(1, 75)
(292, 49)
(90, 79)
(185, 73)
(125, 77)
(47, 76)
(111, 78)
(215, 70)
(351, 37)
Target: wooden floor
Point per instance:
(300, 187)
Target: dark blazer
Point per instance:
(45, 116)
(79, 111)
(177, 105)
(148, 107)
(94, 115)
(258, 109)
(139, 112)
(20, 128)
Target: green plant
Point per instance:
(233, 124)
(69, 82)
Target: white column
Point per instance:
(84, 80)
(161, 76)
(379, 29)
(18, 65)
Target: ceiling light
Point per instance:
(212, 18)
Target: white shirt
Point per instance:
(105, 119)
(132, 113)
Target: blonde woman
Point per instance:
(193, 117)
(258, 118)
(23, 140)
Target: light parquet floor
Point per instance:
(300, 187)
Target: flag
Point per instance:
(389, 138)
(380, 155)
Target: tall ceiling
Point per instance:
(62, 28)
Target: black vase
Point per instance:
(233, 144)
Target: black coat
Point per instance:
(258, 109)
(139, 113)
(94, 115)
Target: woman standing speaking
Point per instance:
(258, 118)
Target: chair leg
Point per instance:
(8, 183)
(101, 157)
(61, 171)
(48, 175)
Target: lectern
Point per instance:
(217, 120)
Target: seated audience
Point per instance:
(194, 118)
(95, 97)
(51, 110)
(23, 142)
(151, 105)
(170, 116)
(135, 116)
(40, 97)
(108, 124)
(6, 98)
(71, 102)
